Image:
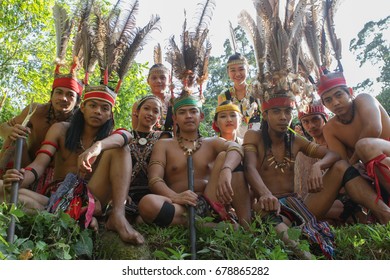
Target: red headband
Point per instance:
(330, 81)
(285, 101)
(100, 95)
(312, 110)
(68, 82)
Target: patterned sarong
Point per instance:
(317, 231)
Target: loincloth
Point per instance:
(207, 208)
(136, 194)
(318, 232)
(73, 197)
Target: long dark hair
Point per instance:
(76, 128)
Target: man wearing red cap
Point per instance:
(313, 119)
(360, 130)
(64, 142)
(65, 98)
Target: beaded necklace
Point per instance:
(279, 165)
(142, 140)
(187, 151)
(141, 153)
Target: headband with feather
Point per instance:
(63, 26)
(158, 67)
(322, 44)
(115, 41)
(190, 60)
(277, 50)
(233, 40)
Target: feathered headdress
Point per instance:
(313, 108)
(277, 50)
(63, 26)
(323, 43)
(233, 40)
(158, 66)
(190, 60)
(115, 41)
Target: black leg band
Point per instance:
(349, 174)
(165, 216)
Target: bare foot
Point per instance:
(119, 224)
(94, 224)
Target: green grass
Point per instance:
(49, 236)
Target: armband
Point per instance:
(237, 149)
(34, 172)
(44, 152)
(154, 180)
(157, 162)
(311, 149)
(50, 143)
(125, 138)
(250, 148)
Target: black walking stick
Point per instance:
(15, 187)
(17, 165)
(190, 171)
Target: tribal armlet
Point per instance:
(157, 162)
(50, 143)
(155, 180)
(250, 148)
(237, 149)
(34, 172)
(125, 138)
(42, 151)
(311, 149)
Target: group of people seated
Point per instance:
(141, 175)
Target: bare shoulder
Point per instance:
(364, 99)
(164, 143)
(252, 137)
(41, 109)
(363, 96)
(329, 126)
(59, 127)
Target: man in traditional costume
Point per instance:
(64, 100)
(93, 122)
(168, 178)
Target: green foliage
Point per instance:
(372, 46)
(363, 242)
(222, 242)
(44, 236)
(133, 88)
(384, 99)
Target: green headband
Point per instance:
(186, 101)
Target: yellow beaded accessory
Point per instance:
(227, 107)
(155, 180)
(311, 149)
(250, 148)
(157, 162)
